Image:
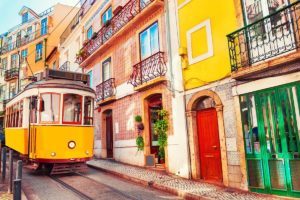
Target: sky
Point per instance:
(10, 8)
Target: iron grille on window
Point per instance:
(105, 90)
(267, 37)
(121, 19)
(148, 69)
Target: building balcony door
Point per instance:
(271, 124)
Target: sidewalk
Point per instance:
(185, 188)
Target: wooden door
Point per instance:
(209, 145)
(109, 136)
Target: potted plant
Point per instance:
(139, 123)
(140, 127)
(161, 127)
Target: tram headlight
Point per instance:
(53, 154)
(71, 144)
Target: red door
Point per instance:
(109, 136)
(209, 145)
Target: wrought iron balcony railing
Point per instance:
(26, 39)
(105, 90)
(268, 37)
(120, 20)
(65, 66)
(148, 69)
(11, 74)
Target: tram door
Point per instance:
(278, 132)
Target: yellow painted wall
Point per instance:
(222, 20)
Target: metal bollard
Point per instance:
(19, 170)
(0, 155)
(3, 163)
(17, 189)
(10, 171)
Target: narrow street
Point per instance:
(92, 185)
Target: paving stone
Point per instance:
(201, 189)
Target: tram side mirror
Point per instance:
(42, 105)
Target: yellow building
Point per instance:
(214, 152)
(28, 48)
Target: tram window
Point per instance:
(88, 110)
(33, 110)
(72, 109)
(49, 108)
(21, 114)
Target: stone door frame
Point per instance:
(191, 115)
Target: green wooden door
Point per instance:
(271, 120)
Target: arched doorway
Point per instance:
(108, 127)
(208, 140)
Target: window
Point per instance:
(2, 92)
(90, 33)
(25, 18)
(44, 26)
(14, 61)
(33, 109)
(4, 65)
(39, 52)
(149, 41)
(12, 90)
(88, 110)
(49, 108)
(10, 43)
(72, 109)
(24, 54)
(107, 15)
(106, 69)
(14, 116)
(90, 73)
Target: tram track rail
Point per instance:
(71, 188)
(84, 196)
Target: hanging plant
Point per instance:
(139, 124)
(140, 143)
(161, 128)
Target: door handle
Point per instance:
(215, 146)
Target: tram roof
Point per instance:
(59, 83)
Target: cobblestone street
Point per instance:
(184, 187)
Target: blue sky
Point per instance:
(9, 10)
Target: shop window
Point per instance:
(49, 108)
(72, 105)
(88, 110)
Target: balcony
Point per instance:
(252, 48)
(105, 91)
(65, 66)
(26, 39)
(128, 14)
(11, 74)
(149, 71)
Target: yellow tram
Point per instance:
(50, 122)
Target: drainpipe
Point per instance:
(170, 58)
(19, 69)
(45, 53)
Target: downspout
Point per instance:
(170, 57)
(19, 69)
(45, 53)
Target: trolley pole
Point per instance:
(3, 163)
(10, 171)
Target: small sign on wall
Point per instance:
(150, 160)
